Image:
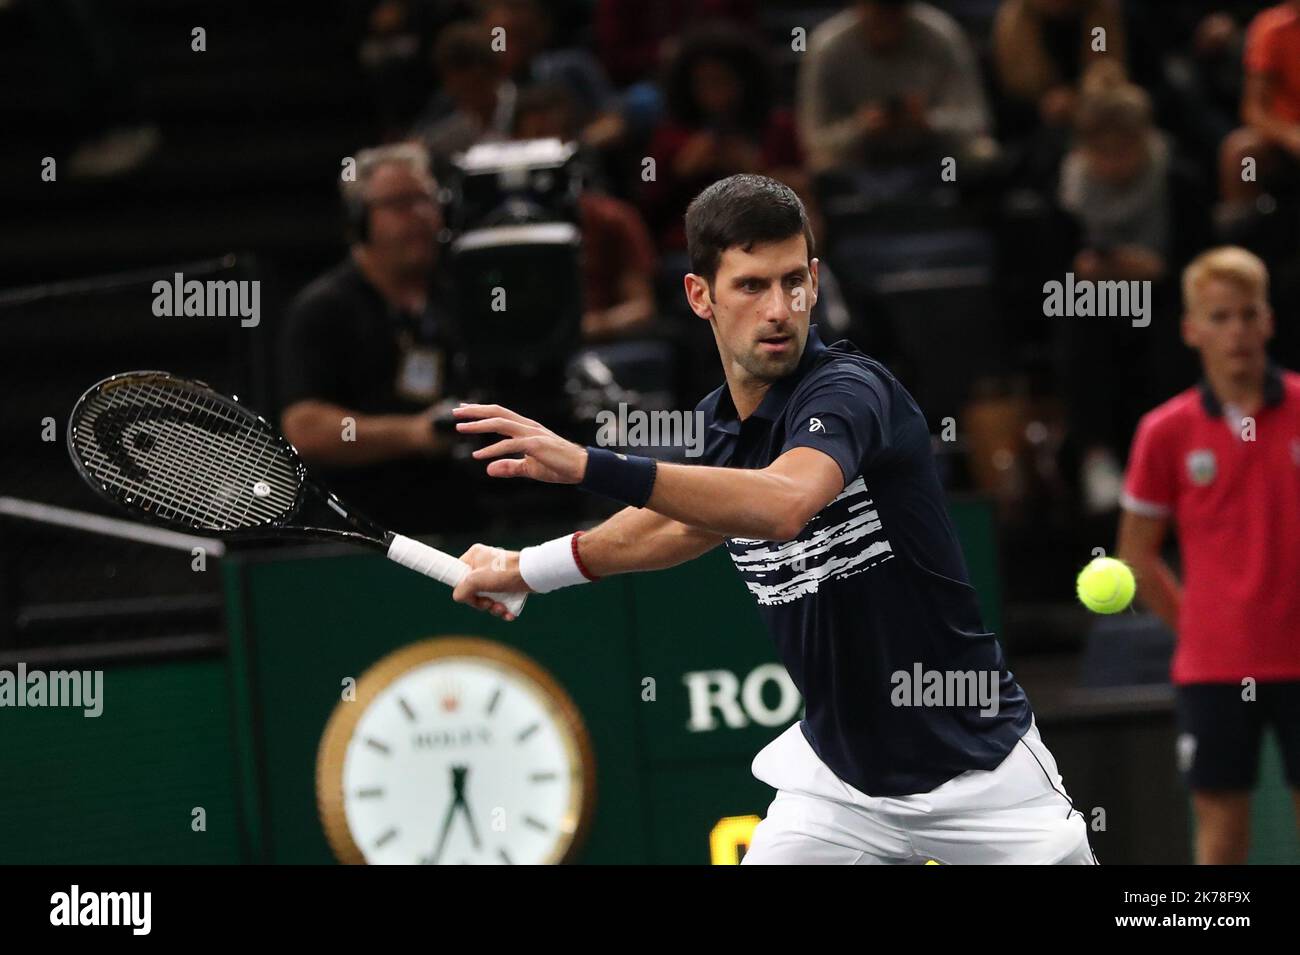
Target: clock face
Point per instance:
(455, 751)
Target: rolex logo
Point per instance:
(449, 697)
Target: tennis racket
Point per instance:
(174, 452)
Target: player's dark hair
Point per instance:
(744, 210)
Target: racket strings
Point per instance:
(176, 500)
(185, 457)
(177, 469)
(231, 477)
(188, 483)
(228, 425)
(268, 456)
(177, 488)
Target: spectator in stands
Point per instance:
(1221, 464)
(1271, 112)
(635, 38)
(1043, 48)
(364, 353)
(395, 52)
(890, 80)
(1115, 181)
(527, 60)
(1191, 64)
(721, 120)
(476, 103)
(618, 256)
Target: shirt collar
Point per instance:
(778, 393)
(1273, 392)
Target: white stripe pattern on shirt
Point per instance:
(842, 540)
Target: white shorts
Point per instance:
(1018, 813)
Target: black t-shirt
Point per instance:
(342, 342)
(874, 586)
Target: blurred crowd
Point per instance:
(955, 156)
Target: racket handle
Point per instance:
(432, 562)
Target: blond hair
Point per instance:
(412, 155)
(1112, 105)
(1227, 263)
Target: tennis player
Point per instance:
(818, 477)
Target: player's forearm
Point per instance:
(332, 435)
(638, 539)
(731, 502)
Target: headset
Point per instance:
(356, 213)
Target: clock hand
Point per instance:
(473, 831)
(460, 777)
(446, 830)
(446, 822)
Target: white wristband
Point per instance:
(550, 566)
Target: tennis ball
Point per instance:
(1106, 585)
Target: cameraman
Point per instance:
(364, 353)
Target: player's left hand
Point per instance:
(546, 456)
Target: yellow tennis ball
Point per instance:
(1106, 585)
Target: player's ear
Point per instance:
(698, 295)
(1188, 329)
(812, 272)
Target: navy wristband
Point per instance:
(623, 477)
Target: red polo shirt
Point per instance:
(1235, 506)
(1273, 49)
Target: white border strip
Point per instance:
(1142, 508)
(110, 526)
(540, 233)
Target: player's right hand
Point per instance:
(492, 570)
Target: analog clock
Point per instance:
(456, 750)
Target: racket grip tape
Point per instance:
(442, 567)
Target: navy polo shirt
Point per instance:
(874, 586)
